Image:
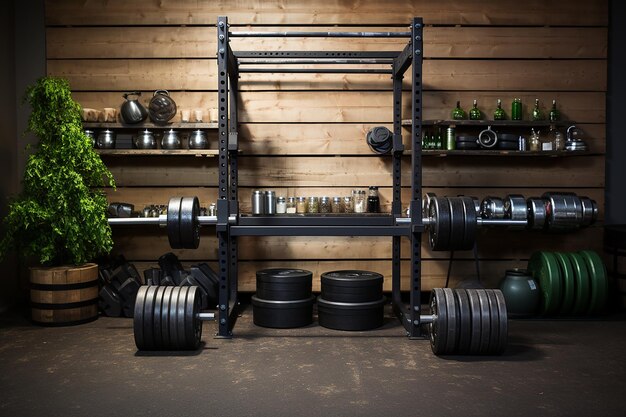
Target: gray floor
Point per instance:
(569, 368)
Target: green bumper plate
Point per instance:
(581, 277)
(599, 281)
(545, 269)
(569, 286)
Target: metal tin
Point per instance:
(450, 139)
(522, 143)
(258, 205)
(270, 202)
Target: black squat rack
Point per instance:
(231, 225)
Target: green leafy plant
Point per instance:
(60, 216)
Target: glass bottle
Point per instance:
(358, 201)
(336, 206)
(281, 205)
(301, 205)
(373, 201)
(554, 113)
(439, 142)
(458, 113)
(325, 205)
(291, 205)
(516, 109)
(559, 141)
(498, 113)
(347, 205)
(313, 205)
(474, 113)
(537, 113)
(533, 142)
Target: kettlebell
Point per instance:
(521, 293)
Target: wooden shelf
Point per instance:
(149, 125)
(499, 152)
(485, 123)
(158, 152)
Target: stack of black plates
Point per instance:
(466, 142)
(351, 300)
(283, 298)
(508, 141)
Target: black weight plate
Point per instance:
(285, 314)
(173, 222)
(457, 223)
(503, 334)
(157, 317)
(352, 286)
(464, 320)
(283, 284)
(508, 137)
(469, 234)
(485, 322)
(165, 318)
(439, 325)
(173, 318)
(468, 139)
(109, 302)
(465, 146)
(351, 316)
(508, 146)
(476, 317)
(210, 287)
(193, 325)
(189, 226)
(138, 318)
(439, 232)
(181, 304)
(148, 320)
(453, 324)
(494, 321)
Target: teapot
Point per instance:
(106, 139)
(170, 140)
(145, 140)
(198, 140)
(162, 107)
(132, 110)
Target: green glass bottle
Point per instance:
(554, 113)
(537, 113)
(439, 141)
(498, 113)
(474, 113)
(458, 113)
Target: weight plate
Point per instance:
(476, 322)
(598, 279)
(485, 322)
(189, 226)
(568, 281)
(148, 320)
(426, 203)
(544, 268)
(173, 318)
(439, 326)
(157, 317)
(536, 213)
(457, 222)
(503, 320)
(590, 211)
(515, 209)
(469, 234)
(453, 324)
(173, 222)
(138, 317)
(464, 320)
(439, 232)
(494, 322)
(193, 325)
(582, 285)
(180, 317)
(165, 318)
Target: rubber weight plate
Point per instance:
(157, 328)
(138, 317)
(464, 320)
(439, 326)
(172, 318)
(439, 232)
(457, 222)
(453, 325)
(180, 318)
(568, 281)
(193, 325)
(503, 319)
(545, 269)
(189, 226)
(165, 318)
(469, 233)
(173, 222)
(494, 322)
(485, 322)
(599, 281)
(582, 284)
(476, 322)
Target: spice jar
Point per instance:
(533, 142)
(325, 205)
(301, 205)
(347, 205)
(336, 205)
(358, 201)
(373, 201)
(291, 205)
(281, 205)
(313, 205)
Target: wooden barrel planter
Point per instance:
(65, 295)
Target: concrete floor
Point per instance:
(568, 368)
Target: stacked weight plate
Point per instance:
(574, 283)
(283, 298)
(351, 300)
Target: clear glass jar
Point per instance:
(291, 205)
(559, 141)
(359, 202)
(347, 205)
(336, 205)
(325, 205)
(533, 142)
(373, 201)
(301, 205)
(281, 205)
(313, 205)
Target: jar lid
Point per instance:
(324, 199)
(291, 199)
(301, 198)
(313, 199)
(281, 199)
(257, 192)
(270, 192)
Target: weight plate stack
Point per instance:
(581, 279)
(599, 281)
(457, 222)
(469, 234)
(173, 222)
(568, 281)
(352, 286)
(351, 316)
(545, 269)
(282, 314)
(281, 284)
(189, 226)
(439, 232)
(508, 141)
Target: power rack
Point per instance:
(231, 224)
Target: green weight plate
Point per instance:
(138, 317)
(165, 318)
(439, 326)
(503, 319)
(485, 322)
(568, 281)
(453, 323)
(581, 277)
(599, 281)
(494, 322)
(465, 321)
(545, 269)
(476, 322)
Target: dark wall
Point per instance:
(616, 143)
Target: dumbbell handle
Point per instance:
(162, 220)
(206, 316)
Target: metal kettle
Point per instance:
(198, 140)
(132, 110)
(145, 140)
(162, 107)
(170, 140)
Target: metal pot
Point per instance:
(145, 140)
(106, 139)
(132, 110)
(198, 140)
(162, 107)
(170, 140)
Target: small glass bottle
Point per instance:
(533, 142)
(313, 205)
(301, 205)
(281, 205)
(537, 113)
(458, 113)
(336, 205)
(559, 141)
(325, 205)
(516, 109)
(450, 138)
(474, 113)
(358, 201)
(373, 201)
(291, 205)
(554, 112)
(498, 113)
(347, 205)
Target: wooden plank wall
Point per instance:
(303, 134)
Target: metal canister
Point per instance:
(270, 202)
(450, 139)
(258, 203)
(212, 210)
(522, 143)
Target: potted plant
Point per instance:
(59, 219)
